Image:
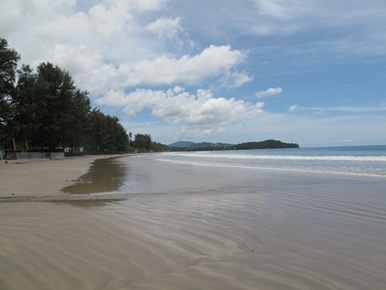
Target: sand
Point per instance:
(23, 178)
(44, 179)
(301, 232)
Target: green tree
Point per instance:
(25, 106)
(106, 134)
(130, 137)
(97, 138)
(49, 110)
(118, 138)
(8, 64)
(56, 89)
(159, 147)
(79, 120)
(142, 142)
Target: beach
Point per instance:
(43, 177)
(143, 224)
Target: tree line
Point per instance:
(44, 110)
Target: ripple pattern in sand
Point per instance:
(223, 240)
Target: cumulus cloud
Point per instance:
(211, 62)
(166, 27)
(110, 38)
(197, 114)
(234, 79)
(110, 30)
(170, 31)
(269, 92)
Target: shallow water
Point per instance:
(355, 161)
(197, 227)
(104, 175)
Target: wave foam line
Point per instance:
(288, 157)
(273, 168)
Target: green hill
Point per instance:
(267, 144)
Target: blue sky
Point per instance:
(311, 72)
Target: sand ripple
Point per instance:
(222, 240)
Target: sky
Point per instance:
(303, 71)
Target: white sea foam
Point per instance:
(359, 160)
(284, 168)
(284, 157)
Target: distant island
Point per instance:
(207, 146)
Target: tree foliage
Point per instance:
(267, 144)
(142, 142)
(8, 64)
(106, 133)
(44, 110)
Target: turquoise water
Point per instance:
(353, 160)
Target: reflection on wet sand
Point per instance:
(105, 175)
(222, 240)
(90, 203)
(210, 229)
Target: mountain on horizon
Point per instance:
(182, 144)
(267, 144)
(189, 144)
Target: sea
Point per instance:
(349, 160)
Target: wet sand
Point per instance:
(184, 227)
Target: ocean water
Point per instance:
(354, 160)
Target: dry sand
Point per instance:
(23, 178)
(316, 234)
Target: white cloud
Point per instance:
(350, 27)
(343, 109)
(195, 114)
(170, 32)
(277, 8)
(110, 37)
(110, 28)
(293, 108)
(328, 13)
(269, 92)
(235, 79)
(75, 59)
(166, 27)
(211, 62)
(345, 141)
